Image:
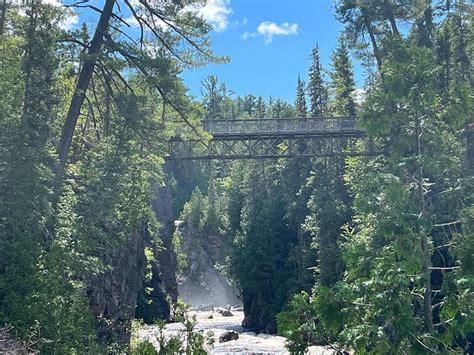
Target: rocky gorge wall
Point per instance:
(201, 283)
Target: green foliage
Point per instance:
(391, 234)
(57, 235)
(144, 348)
(36, 288)
(342, 81)
(298, 323)
(316, 86)
(407, 281)
(300, 103)
(260, 262)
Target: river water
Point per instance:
(248, 342)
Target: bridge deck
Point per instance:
(286, 126)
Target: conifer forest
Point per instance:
(139, 218)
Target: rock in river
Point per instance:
(227, 313)
(228, 336)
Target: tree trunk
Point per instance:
(391, 18)
(82, 84)
(375, 46)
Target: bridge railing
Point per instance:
(283, 126)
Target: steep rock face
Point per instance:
(160, 292)
(165, 270)
(152, 301)
(113, 294)
(257, 316)
(201, 283)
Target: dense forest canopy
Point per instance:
(372, 254)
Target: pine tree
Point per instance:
(343, 85)
(213, 97)
(443, 59)
(277, 109)
(249, 105)
(300, 102)
(260, 259)
(424, 29)
(260, 109)
(316, 86)
(459, 35)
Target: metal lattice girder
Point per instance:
(268, 147)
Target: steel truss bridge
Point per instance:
(274, 138)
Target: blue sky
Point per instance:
(262, 64)
(268, 41)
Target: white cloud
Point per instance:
(247, 35)
(69, 20)
(269, 29)
(216, 13)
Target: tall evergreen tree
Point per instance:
(260, 109)
(249, 105)
(342, 81)
(36, 285)
(316, 86)
(260, 260)
(300, 102)
(215, 98)
(277, 109)
(423, 31)
(459, 34)
(406, 284)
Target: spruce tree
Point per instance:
(316, 86)
(249, 105)
(423, 31)
(213, 94)
(260, 108)
(343, 85)
(300, 102)
(277, 109)
(459, 35)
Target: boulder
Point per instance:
(226, 313)
(228, 336)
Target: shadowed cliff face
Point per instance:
(113, 294)
(165, 256)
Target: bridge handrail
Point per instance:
(281, 125)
